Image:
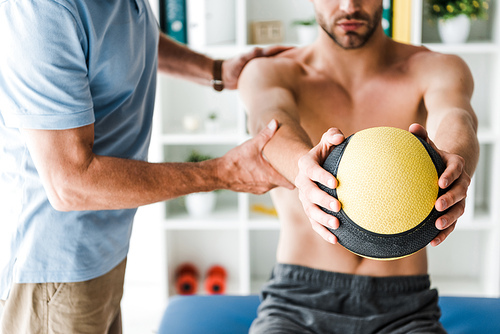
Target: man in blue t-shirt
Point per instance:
(77, 90)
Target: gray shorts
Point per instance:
(304, 300)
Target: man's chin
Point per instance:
(350, 43)
(346, 40)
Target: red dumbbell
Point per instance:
(215, 282)
(186, 279)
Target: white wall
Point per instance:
(144, 296)
(265, 10)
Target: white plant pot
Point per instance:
(200, 204)
(307, 34)
(455, 30)
(212, 126)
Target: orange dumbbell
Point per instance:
(215, 282)
(186, 279)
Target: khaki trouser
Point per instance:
(91, 307)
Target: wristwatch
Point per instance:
(217, 82)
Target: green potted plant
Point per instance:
(196, 156)
(454, 17)
(307, 30)
(200, 204)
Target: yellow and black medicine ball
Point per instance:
(387, 187)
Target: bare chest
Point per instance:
(379, 102)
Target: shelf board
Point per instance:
(263, 223)
(474, 226)
(230, 50)
(465, 48)
(222, 50)
(481, 222)
(220, 219)
(197, 225)
(486, 136)
(202, 139)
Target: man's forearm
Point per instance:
(288, 145)
(457, 134)
(75, 178)
(285, 154)
(112, 183)
(180, 61)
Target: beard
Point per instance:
(351, 39)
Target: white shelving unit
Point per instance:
(235, 236)
(244, 241)
(224, 236)
(468, 262)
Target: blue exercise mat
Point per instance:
(234, 315)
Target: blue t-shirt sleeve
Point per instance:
(44, 75)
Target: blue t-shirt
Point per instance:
(66, 64)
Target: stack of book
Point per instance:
(173, 19)
(396, 19)
(199, 22)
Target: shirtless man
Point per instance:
(351, 78)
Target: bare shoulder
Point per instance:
(280, 69)
(435, 62)
(434, 65)
(436, 69)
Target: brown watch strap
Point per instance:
(217, 82)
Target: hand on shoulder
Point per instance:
(232, 67)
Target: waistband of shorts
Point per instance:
(328, 279)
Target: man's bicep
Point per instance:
(265, 96)
(449, 92)
(59, 155)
